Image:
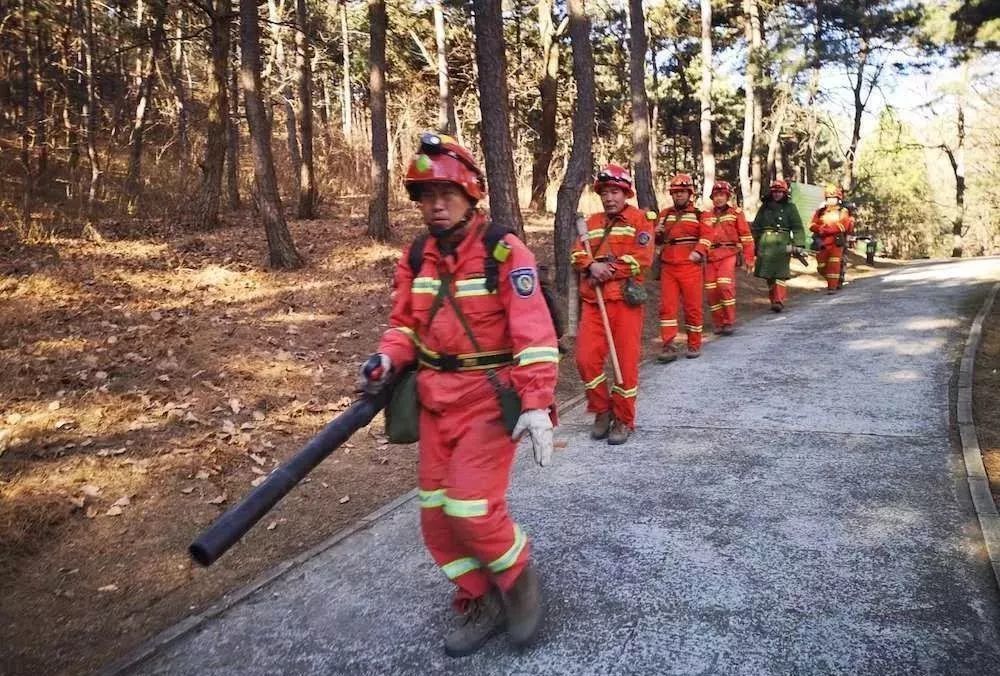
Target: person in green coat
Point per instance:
(777, 233)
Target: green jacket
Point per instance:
(776, 226)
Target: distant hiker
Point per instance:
(832, 222)
(777, 232)
(732, 245)
(476, 326)
(621, 241)
(685, 240)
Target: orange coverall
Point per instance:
(682, 232)
(731, 236)
(626, 240)
(465, 451)
(832, 224)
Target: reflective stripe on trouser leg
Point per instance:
(726, 270)
(591, 353)
(475, 481)
(690, 286)
(832, 270)
(669, 303)
(626, 325)
(713, 294)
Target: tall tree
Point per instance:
(752, 110)
(90, 112)
(446, 102)
(133, 182)
(233, 135)
(548, 89)
(641, 165)
(306, 207)
(281, 248)
(707, 148)
(493, 104)
(378, 208)
(581, 158)
(346, 114)
(210, 193)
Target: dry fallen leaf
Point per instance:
(114, 510)
(108, 588)
(346, 498)
(258, 481)
(235, 406)
(123, 501)
(90, 490)
(258, 459)
(272, 525)
(218, 500)
(188, 490)
(54, 406)
(258, 415)
(91, 512)
(202, 474)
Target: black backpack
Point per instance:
(491, 268)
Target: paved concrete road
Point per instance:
(807, 520)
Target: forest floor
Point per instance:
(152, 378)
(986, 398)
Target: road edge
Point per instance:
(975, 471)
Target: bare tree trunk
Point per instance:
(774, 169)
(957, 160)
(493, 104)
(42, 61)
(641, 167)
(145, 91)
(171, 66)
(756, 51)
(749, 84)
(90, 108)
(707, 148)
(345, 94)
(859, 109)
(210, 193)
(378, 208)
(654, 116)
(24, 112)
(548, 89)
(581, 157)
(812, 110)
(446, 103)
(233, 134)
(306, 207)
(279, 241)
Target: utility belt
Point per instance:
(724, 244)
(473, 361)
(683, 240)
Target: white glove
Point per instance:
(694, 257)
(375, 374)
(538, 425)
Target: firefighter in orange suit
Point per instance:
(685, 239)
(621, 241)
(732, 243)
(832, 223)
(447, 320)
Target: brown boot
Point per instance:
(668, 355)
(483, 619)
(602, 425)
(523, 602)
(777, 307)
(727, 330)
(693, 352)
(620, 433)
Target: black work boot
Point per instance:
(524, 608)
(776, 306)
(620, 433)
(602, 425)
(483, 619)
(668, 354)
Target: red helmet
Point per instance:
(722, 186)
(682, 182)
(440, 159)
(616, 175)
(778, 184)
(833, 190)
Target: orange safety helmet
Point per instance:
(833, 190)
(682, 182)
(440, 159)
(616, 175)
(722, 186)
(778, 184)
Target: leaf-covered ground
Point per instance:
(149, 381)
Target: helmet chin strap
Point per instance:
(442, 234)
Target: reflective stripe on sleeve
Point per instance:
(537, 355)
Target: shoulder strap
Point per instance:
(416, 254)
(497, 252)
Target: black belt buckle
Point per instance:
(449, 362)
